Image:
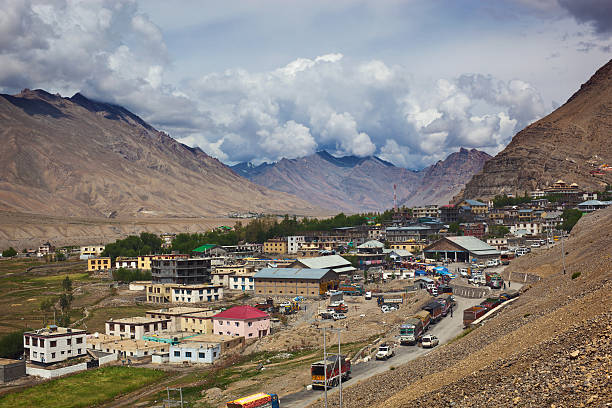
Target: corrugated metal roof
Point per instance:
(475, 203)
(412, 228)
(291, 273)
(401, 252)
(371, 244)
(241, 313)
(471, 244)
(204, 248)
(345, 269)
(324, 262)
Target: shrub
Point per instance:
(9, 253)
(575, 275)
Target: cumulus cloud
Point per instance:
(110, 51)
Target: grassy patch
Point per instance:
(97, 318)
(575, 275)
(60, 277)
(463, 334)
(84, 389)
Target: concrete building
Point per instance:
(412, 233)
(294, 242)
(125, 262)
(221, 274)
(461, 249)
(476, 207)
(125, 348)
(593, 205)
(209, 250)
(293, 282)
(335, 263)
(11, 370)
(54, 344)
(245, 283)
(275, 246)
(428, 211)
(498, 243)
(182, 270)
(167, 239)
(98, 264)
(45, 249)
(242, 321)
(174, 314)
(195, 352)
(449, 213)
(414, 247)
(91, 251)
(531, 228)
(137, 327)
(197, 322)
(176, 293)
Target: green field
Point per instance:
(85, 389)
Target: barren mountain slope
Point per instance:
(366, 184)
(550, 347)
(566, 144)
(74, 156)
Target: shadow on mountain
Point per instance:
(35, 106)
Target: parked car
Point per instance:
(368, 295)
(492, 262)
(384, 352)
(429, 341)
(338, 316)
(535, 245)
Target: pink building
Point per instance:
(242, 321)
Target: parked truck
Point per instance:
(351, 289)
(333, 368)
(446, 303)
(411, 331)
(384, 352)
(491, 303)
(435, 310)
(424, 317)
(472, 314)
(494, 280)
(261, 400)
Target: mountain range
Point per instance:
(78, 157)
(569, 144)
(355, 184)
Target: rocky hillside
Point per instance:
(356, 184)
(74, 156)
(551, 347)
(567, 144)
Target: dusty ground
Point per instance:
(518, 357)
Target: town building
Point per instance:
(498, 243)
(245, 283)
(54, 344)
(428, 211)
(195, 352)
(11, 370)
(294, 242)
(474, 229)
(137, 327)
(144, 262)
(593, 205)
(91, 251)
(275, 246)
(45, 249)
(98, 264)
(125, 262)
(125, 348)
(476, 207)
(209, 250)
(242, 321)
(531, 228)
(177, 293)
(461, 249)
(197, 322)
(413, 247)
(221, 275)
(449, 214)
(413, 233)
(174, 314)
(295, 282)
(167, 239)
(335, 263)
(537, 194)
(184, 271)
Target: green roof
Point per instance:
(204, 248)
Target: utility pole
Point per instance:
(563, 253)
(325, 365)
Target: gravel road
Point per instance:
(447, 329)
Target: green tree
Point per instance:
(498, 231)
(11, 344)
(46, 306)
(67, 284)
(455, 228)
(9, 253)
(59, 256)
(570, 218)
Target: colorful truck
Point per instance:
(351, 289)
(494, 280)
(491, 303)
(446, 303)
(411, 331)
(435, 310)
(472, 314)
(331, 369)
(424, 317)
(261, 400)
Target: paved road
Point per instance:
(447, 329)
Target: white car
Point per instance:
(535, 245)
(429, 341)
(384, 352)
(368, 295)
(338, 316)
(492, 262)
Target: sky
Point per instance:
(408, 81)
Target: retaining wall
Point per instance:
(44, 373)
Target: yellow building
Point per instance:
(242, 269)
(413, 247)
(275, 246)
(198, 322)
(144, 262)
(98, 264)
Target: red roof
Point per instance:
(241, 313)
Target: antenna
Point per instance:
(395, 197)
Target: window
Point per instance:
(177, 354)
(53, 343)
(237, 324)
(214, 354)
(79, 340)
(188, 354)
(27, 340)
(52, 355)
(250, 324)
(250, 334)
(79, 351)
(69, 342)
(201, 355)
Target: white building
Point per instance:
(242, 282)
(293, 243)
(137, 327)
(91, 251)
(195, 352)
(54, 344)
(127, 263)
(532, 228)
(196, 293)
(499, 243)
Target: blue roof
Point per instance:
(291, 273)
(525, 211)
(475, 203)
(595, 202)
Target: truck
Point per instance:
(338, 308)
(332, 368)
(472, 314)
(491, 303)
(446, 303)
(424, 317)
(507, 257)
(385, 352)
(411, 331)
(260, 400)
(494, 280)
(435, 310)
(351, 289)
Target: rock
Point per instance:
(214, 394)
(574, 354)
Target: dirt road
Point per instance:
(447, 329)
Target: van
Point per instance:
(368, 295)
(521, 251)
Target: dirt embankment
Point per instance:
(549, 348)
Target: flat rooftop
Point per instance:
(177, 311)
(123, 344)
(54, 330)
(137, 320)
